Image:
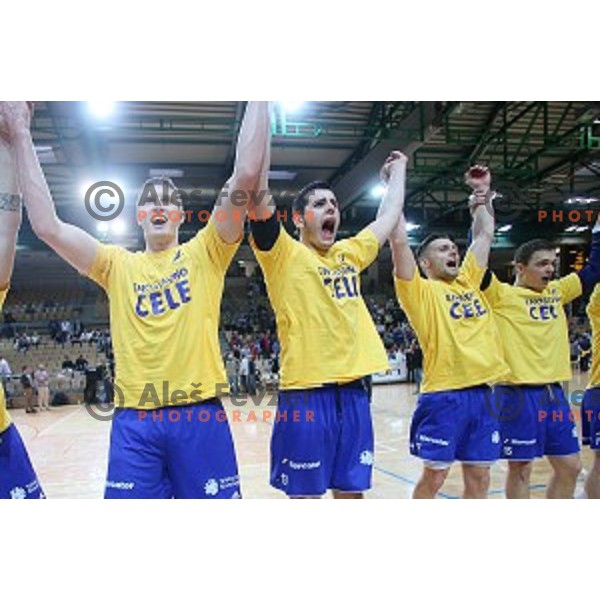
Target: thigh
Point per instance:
(201, 453)
(520, 428)
(480, 442)
(137, 457)
(436, 427)
(17, 476)
(353, 463)
(590, 418)
(303, 442)
(561, 437)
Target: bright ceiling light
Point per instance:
(291, 106)
(101, 108)
(378, 191)
(119, 227)
(102, 227)
(504, 228)
(412, 227)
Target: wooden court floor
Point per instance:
(69, 450)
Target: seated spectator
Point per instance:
(81, 364)
(68, 364)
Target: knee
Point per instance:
(477, 480)
(434, 478)
(569, 469)
(520, 471)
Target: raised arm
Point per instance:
(251, 153)
(393, 174)
(73, 244)
(482, 212)
(10, 212)
(404, 259)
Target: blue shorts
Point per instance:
(455, 426)
(172, 452)
(323, 439)
(17, 477)
(590, 418)
(535, 421)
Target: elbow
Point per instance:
(47, 231)
(247, 177)
(486, 235)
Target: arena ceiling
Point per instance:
(541, 154)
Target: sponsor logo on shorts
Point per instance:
(120, 485)
(304, 466)
(285, 480)
(496, 437)
(436, 441)
(574, 432)
(515, 442)
(366, 458)
(18, 493)
(213, 486)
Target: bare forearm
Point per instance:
(253, 144)
(392, 205)
(32, 184)
(483, 221)
(10, 213)
(483, 233)
(404, 260)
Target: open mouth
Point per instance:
(328, 228)
(158, 219)
(452, 264)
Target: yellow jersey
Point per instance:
(455, 328)
(4, 416)
(533, 328)
(326, 332)
(164, 313)
(593, 312)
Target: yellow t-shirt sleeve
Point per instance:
(570, 287)
(362, 248)
(495, 291)
(104, 263)
(219, 251)
(274, 261)
(593, 307)
(471, 270)
(411, 296)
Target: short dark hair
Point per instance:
(422, 248)
(160, 182)
(301, 200)
(524, 252)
